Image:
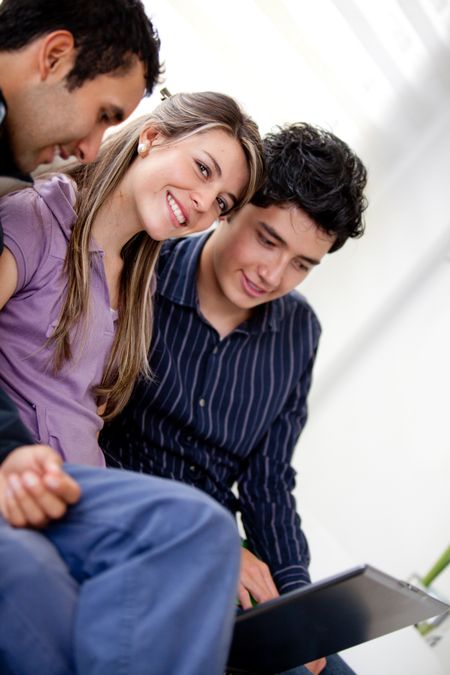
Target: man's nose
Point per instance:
(272, 273)
(87, 149)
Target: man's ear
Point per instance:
(56, 54)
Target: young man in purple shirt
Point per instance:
(233, 352)
(117, 585)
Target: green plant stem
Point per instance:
(437, 568)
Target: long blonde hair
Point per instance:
(177, 117)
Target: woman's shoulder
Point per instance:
(56, 194)
(21, 217)
(36, 222)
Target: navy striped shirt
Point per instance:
(225, 411)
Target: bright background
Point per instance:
(373, 463)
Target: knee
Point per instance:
(25, 556)
(212, 523)
(184, 512)
(221, 524)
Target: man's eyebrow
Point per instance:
(311, 261)
(218, 171)
(274, 234)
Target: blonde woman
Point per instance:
(80, 254)
(118, 584)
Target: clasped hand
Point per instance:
(34, 488)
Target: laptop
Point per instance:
(325, 617)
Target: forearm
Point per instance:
(274, 534)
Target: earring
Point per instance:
(142, 149)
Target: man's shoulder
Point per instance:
(294, 303)
(171, 245)
(176, 254)
(183, 245)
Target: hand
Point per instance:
(34, 489)
(254, 579)
(316, 667)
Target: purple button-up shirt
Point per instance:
(61, 409)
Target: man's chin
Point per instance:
(46, 156)
(57, 164)
(28, 165)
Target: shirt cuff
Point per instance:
(291, 578)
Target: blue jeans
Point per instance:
(335, 666)
(139, 577)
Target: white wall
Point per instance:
(377, 433)
(373, 463)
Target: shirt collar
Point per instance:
(177, 281)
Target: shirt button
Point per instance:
(202, 403)
(192, 468)
(215, 350)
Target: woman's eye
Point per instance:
(223, 206)
(203, 169)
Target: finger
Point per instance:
(256, 577)
(272, 589)
(48, 458)
(260, 593)
(24, 502)
(12, 511)
(51, 505)
(62, 486)
(244, 597)
(53, 464)
(316, 667)
(260, 573)
(3, 489)
(260, 584)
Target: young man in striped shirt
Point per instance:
(233, 352)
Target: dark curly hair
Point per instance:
(317, 172)
(108, 35)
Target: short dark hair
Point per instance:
(317, 172)
(108, 36)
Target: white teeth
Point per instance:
(256, 288)
(176, 210)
